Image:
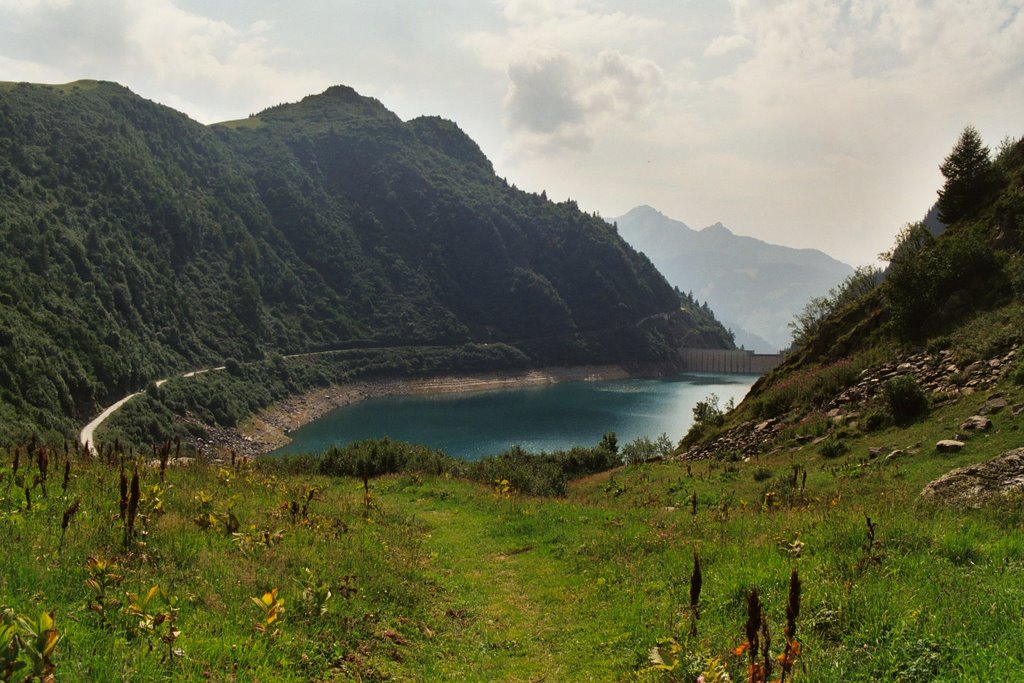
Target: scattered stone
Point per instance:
(949, 446)
(994, 405)
(976, 423)
(895, 454)
(1017, 410)
(803, 438)
(938, 373)
(974, 485)
(875, 451)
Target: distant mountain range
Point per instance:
(754, 287)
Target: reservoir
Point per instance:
(537, 418)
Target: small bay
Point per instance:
(537, 418)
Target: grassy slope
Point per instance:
(453, 581)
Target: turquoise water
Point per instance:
(549, 417)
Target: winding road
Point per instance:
(85, 437)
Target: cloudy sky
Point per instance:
(811, 123)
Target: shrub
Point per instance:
(1017, 374)
(763, 474)
(905, 398)
(708, 412)
(833, 447)
(875, 419)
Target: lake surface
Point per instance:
(538, 418)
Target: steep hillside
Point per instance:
(753, 286)
(947, 322)
(135, 241)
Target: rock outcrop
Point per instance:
(937, 373)
(974, 485)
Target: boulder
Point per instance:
(994, 405)
(949, 446)
(973, 485)
(976, 423)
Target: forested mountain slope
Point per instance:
(135, 241)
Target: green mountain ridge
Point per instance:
(137, 242)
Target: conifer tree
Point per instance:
(968, 172)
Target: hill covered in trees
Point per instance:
(135, 242)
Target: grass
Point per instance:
(446, 579)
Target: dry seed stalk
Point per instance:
(696, 580)
(66, 520)
(165, 453)
(753, 622)
(133, 508)
(123, 490)
(792, 649)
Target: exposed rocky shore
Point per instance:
(269, 429)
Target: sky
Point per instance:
(809, 123)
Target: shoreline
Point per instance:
(268, 430)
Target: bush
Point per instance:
(833, 447)
(875, 420)
(536, 474)
(1017, 374)
(763, 474)
(905, 398)
(708, 412)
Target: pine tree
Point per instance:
(968, 173)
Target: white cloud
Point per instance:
(29, 6)
(159, 49)
(567, 79)
(562, 101)
(723, 45)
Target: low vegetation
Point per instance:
(287, 570)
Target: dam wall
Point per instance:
(735, 361)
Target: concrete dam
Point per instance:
(735, 361)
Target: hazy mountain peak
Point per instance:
(648, 216)
(718, 229)
(753, 286)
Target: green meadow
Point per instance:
(270, 571)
